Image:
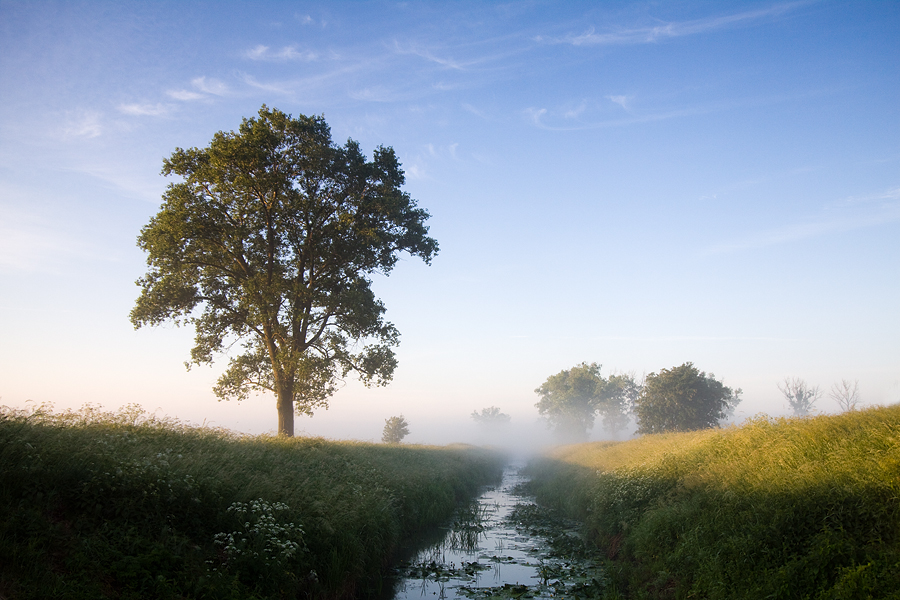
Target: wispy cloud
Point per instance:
(373, 94)
(564, 118)
(185, 95)
(674, 29)
(31, 243)
(144, 110)
(622, 101)
(210, 86)
(444, 61)
(575, 112)
(204, 86)
(261, 52)
(478, 113)
(276, 88)
(308, 20)
(538, 116)
(82, 124)
(887, 197)
(863, 212)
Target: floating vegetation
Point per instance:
(505, 546)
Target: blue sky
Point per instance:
(638, 184)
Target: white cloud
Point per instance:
(620, 100)
(648, 35)
(478, 113)
(82, 124)
(889, 195)
(427, 55)
(573, 113)
(373, 94)
(859, 213)
(257, 53)
(205, 87)
(210, 86)
(535, 115)
(287, 53)
(291, 53)
(414, 171)
(142, 110)
(266, 87)
(185, 95)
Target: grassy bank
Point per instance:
(777, 508)
(124, 505)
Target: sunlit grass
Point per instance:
(127, 505)
(782, 508)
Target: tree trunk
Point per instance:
(286, 410)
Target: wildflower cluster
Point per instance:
(260, 536)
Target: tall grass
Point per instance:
(777, 508)
(126, 505)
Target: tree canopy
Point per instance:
(682, 399)
(571, 400)
(267, 242)
(490, 417)
(395, 429)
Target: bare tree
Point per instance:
(800, 395)
(846, 394)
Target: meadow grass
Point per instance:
(776, 508)
(125, 505)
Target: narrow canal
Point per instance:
(503, 546)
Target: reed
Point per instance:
(776, 508)
(125, 505)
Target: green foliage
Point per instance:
(268, 239)
(395, 429)
(571, 399)
(129, 506)
(683, 399)
(778, 508)
(490, 417)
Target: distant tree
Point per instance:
(569, 400)
(846, 394)
(395, 429)
(682, 399)
(268, 240)
(800, 396)
(618, 398)
(490, 417)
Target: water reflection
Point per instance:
(483, 553)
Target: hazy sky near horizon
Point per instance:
(638, 184)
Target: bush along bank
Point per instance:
(776, 508)
(125, 505)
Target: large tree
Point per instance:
(571, 400)
(267, 242)
(683, 399)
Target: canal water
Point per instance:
(502, 545)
